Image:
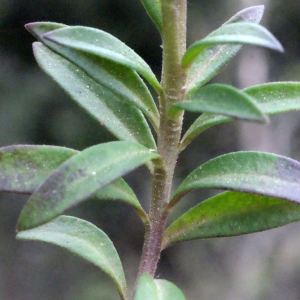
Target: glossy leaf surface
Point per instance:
(80, 177)
(122, 119)
(24, 167)
(235, 33)
(153, 8)
(272, 98)
(209, 62)
(231, 214)
(157, 289)
(119, 79)
(253, 172)
(223, 100)
(79, 44)
(84, 239)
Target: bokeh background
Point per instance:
(34, 110)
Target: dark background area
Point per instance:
(34, 110)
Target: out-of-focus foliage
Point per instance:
(34, 110)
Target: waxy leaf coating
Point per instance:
(84, 239)
(253, 172)
(81, 177)
(223, 100)
(156, 289)
(231, 214)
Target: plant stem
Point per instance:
(173, 79)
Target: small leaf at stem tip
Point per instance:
(153, 8)
(209, 62)
(235, 33)
(81, 177)
(231, 214)
(157, 289)
(84, 239)
(23, 168)
(223, 100)
(86, 41)
(272, 98)
(252, 172)
(120, 117)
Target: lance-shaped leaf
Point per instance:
(25, 167)
(253, 172)
(272, 98)
(79, 44)
(153, 8)
(80, 177)
(209, 62)
(157, 289)
(235, 33)
(84, 239)
(119, 79)
(223, 100)
(122, 119)
(231, 214)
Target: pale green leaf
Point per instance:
(209, 62)
(253, 172)
(81, 177)
(153, 8)
(85, 240)
(122, 119)
(231, 214)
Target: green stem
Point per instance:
(173, 79)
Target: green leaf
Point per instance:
(157, 289)
(120, 190)
(253, 172)
(236, 33)
(84, 45)
(80, 177)
(24, 167)
(272, 98)
(221, 99)
(153, 8)
(84, 239)
(231, 214)
(122, 119)
(209, 62)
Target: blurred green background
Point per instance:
(34, 110)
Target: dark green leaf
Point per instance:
(84, 239)
(23, 168)
(80, 44)
(157, 289)
(153, 8)
(209, 62)
(272, 98)
(223, 100)
(125, 121)
(253, 172)
(235, 33)
(230, 214)
(80, 177)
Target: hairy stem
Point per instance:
(173, 79)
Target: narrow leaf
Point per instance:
(235, 33)
(231, 214)
(122, 119)
(253, 172)
(24, 167)
(209, 62)
(157, 289)
(153, 8)
(223, 100)
(80, 177)
(272, 98)
(84, 239)
(80, 44)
